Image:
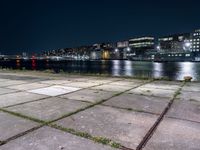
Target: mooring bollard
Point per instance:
(188, 78)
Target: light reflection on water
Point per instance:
(186, 69)
(171, 70)
(116, 68)
(157, 70)
(128, 68)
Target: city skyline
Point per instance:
(34, 27)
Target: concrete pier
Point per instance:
(42, 111)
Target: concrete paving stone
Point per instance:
(112, 88)
(18, 76)
(80, 79)
(81, 84)
(6, 91)
(192, 87)
(101, 81)
(54, 90)
(29, 86)
(139, 102)
(56, 82)
(11, 82)
(125, 127)
(3, 80)
(161, 86)
(152, 92)
(134, 80)
(173, 134)
(48, 109)
(185, 95)
(188, 110)
(47, 138)
(126, 83)
(89, 95)
(17, 98)
(11, 125)
(168, 82)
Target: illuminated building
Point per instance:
(195, 40)
(122, 44)
(142, 44)
(105, 54)
(174, 43)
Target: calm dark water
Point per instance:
(171, 70)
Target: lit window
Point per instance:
(187, 55)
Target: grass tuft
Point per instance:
(102, 140)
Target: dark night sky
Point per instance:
(36, 25)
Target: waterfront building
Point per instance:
(195, 44)
(122, 44)
(175, 43)
(142, 44)
(95, 55)
(195, 40)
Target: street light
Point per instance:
(158, 47)
(128, 49)
(116, 50)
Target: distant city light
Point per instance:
(116, 50)
(158, 47)
(128, 49)
(187, 45)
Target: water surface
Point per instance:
(170, 70)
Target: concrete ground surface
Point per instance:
(43, 111)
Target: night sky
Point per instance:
(37, 25)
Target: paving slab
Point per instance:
(29, 86)
(81, 84)
(47, 138)
(17, 98)
(168, 82)
(188, 110)
(127, 83)
(173, 134)
(112, 88)
(6, 91)
(80, 79)
(152, 92)
(139, 103)
(3, 80)
(89, 95)
(100, 81)
(48, 109)
(134, 80)
(161, 86)
(122, 126)
(11, 82)
(56, 82)
(11, 125)
(55, 90)
(189, 96)
(192, 87)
